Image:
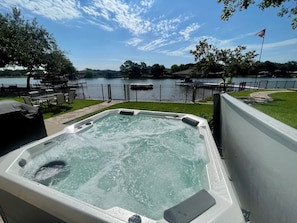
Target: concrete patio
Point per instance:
(57, 123)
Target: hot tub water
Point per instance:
(144, 164)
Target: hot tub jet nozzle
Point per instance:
(134, 219)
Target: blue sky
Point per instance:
(103, 34)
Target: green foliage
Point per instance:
(181, 67)
(287, 7)
(29, 45)
(277, 69)
(157, 70)
(24, 43)
(131, 69)
(12, 73)
(89, 74)
(58, 64)
(227, 62)
(174, 68)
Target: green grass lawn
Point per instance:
(58, 110)
(77, 104)
(202, 110)
(244, 94)
(283, 107)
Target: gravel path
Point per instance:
(262, 96)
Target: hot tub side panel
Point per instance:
(261, 155)
(24, 201)
(16, 210)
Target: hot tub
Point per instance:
(120, 166)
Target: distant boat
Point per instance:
(141, 86)
(185, 82)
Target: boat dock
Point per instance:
(212, 85)
(239, 87)
(141, 86)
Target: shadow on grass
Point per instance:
(278, 99)
(55, 110)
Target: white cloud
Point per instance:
(146, 32)
(185, 51)
(280, 44)
(176, 53)
(166, 26)
(90, 10)
(187, 32)
(124, 15)
(108, 14)
(53, 9)
(288, 42)
(219, 43)
(153, 45)
(100, 25)
(147, 3)
(134, 41)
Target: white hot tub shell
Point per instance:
(25, 200)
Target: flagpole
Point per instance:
(262, 35)
(261, 47)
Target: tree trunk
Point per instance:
(224, 83)
(28, 80)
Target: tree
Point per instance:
(29, 45)
(143, 68)
(5, 57)
(291, 65)
(25, 44)
(130, 69)
(89, 73)
(175, 68)
(286, 8)
(157, 70)
(227, 62)
(58, 64)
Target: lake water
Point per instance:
(164, 89)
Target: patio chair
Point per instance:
(49, 91)
(60, 99)
(71, 96)
(28, 101)
(34, 93)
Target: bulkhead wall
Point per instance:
(261, 156)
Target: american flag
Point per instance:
(261, 33)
